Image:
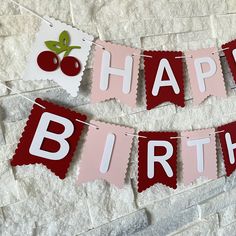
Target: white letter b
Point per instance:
(42, 133)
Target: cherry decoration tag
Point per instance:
(50, 137)
(60, 53)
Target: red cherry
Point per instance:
(48, 61)
(70, 66)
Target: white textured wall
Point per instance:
(35, 202)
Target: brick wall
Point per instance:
(35, 202)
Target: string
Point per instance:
(176, 137)
(179, 137)
(135, 135)
(94, 43)
(32, 12)
(141, 55)
(101, 46)
(96, 127)
(220, 50)
(180, 57)
(21, 95)
(86, 123)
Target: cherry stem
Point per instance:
(69, 49)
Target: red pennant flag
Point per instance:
(49, 138)
(230, 54)
(164, 78)
(157, 161)
(228, 144)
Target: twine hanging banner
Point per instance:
(51, 134)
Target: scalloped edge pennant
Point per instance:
(118, 54)
(22, 154)
(76, 50)
(160, 176)
(94, 148)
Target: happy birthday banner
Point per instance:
(52, 132)
(61, 51)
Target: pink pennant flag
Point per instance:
(115, 73)
(106, 153)
(205, 74)
(198, 154)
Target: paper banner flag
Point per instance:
(157, 159)
(228, 144)
(205, 74)
(60, 54)
(49, 138)
(198, 154)
(164, 78)
(230, 54)
(106, 153)
(115, 73)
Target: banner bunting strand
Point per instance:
(52, 132)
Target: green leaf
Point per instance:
(64, 38)
(55, 46)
